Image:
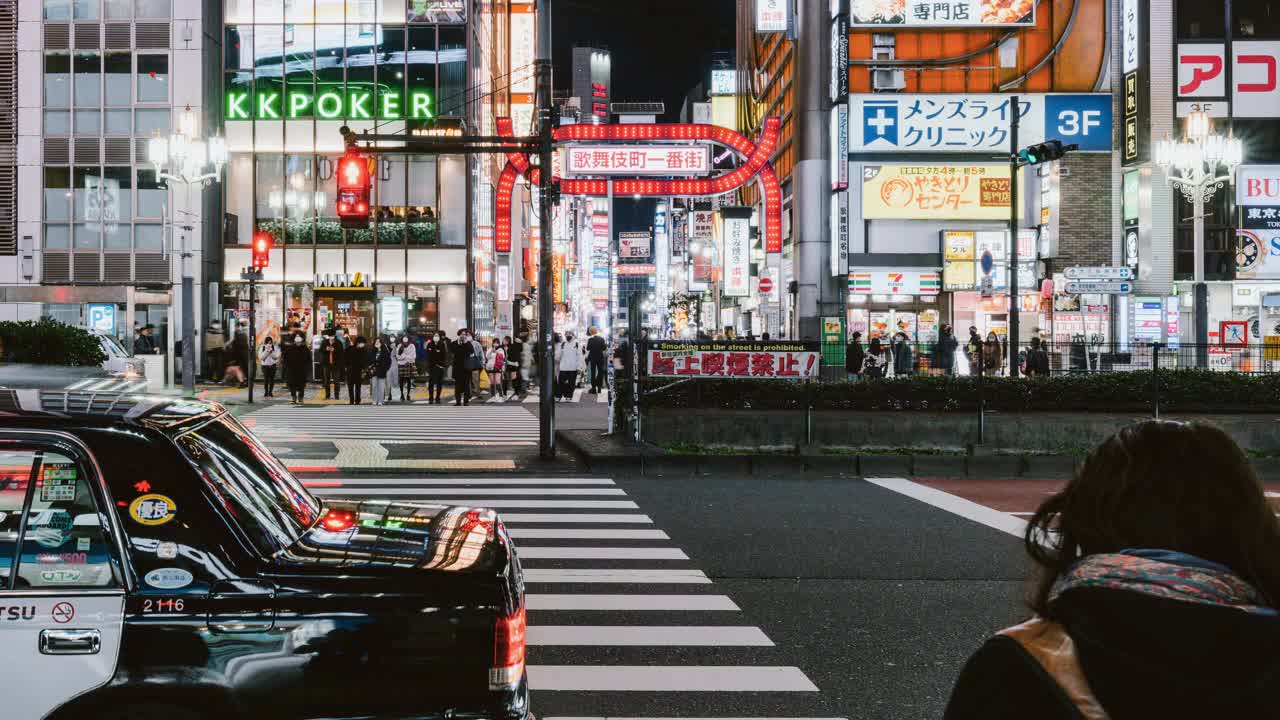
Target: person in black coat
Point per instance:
(356, 361)
(854, 356)
(1156, 593)
(437, 352)
(331, 363)
(462, 352)
(1037, 360)
(381, 365)
(596, 348)
(944, 351)
(296, 357)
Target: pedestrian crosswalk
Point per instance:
(396, 423)
(622, 624)
(111, 384)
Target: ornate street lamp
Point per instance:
(185, 158)
(1199, 165)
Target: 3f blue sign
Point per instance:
(1081, 119)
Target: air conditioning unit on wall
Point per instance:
(886, 79)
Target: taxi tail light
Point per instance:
(337, 521)
(508, 652)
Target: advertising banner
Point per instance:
(840, 147)
(735, 359)
(638, 160)
(949, 13)
(634, 244)
(437, 11)
(976, 123)
(936, 192)
(1258, 196)
(737, 256)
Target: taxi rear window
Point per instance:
(264, 498)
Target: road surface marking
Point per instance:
(677, 678)
(564, 518)
(479, 492)
(585, 534)
(464, 481)
(649, 635)
(536, 601)
(955, 505)
(531, 504)
(616, 575)
(538, 552)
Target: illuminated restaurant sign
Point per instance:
(935, 192)
(328, 105)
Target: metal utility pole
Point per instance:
(546, 310)
(1014, 299)
(819, 293)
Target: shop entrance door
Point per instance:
(354, 311)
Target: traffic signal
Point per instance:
(1044, 152)
(354, 186)
(261, 250)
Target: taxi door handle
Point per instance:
(70, 642)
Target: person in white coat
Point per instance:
(569, 360)
(406, 365)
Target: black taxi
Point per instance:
(156, 561)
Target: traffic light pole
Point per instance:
(1014, 299)
(253, 331)
(546, 310)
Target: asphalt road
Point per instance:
(822, 598)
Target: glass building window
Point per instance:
(361, 61)
(451, 95)
(88, 122)
(153, 78)
(118, 122)
(152, 194)
(1198, 19)
(300, 71)
(117, 236)
(117, 9)
(117, 184)
(151, 8)
(117, 67)
(1256, 18)
(328, 228)
(57, 194)
(57, 9)
(151, 121)
(57, 79)
(88, 85)
(85, 9)
(57, 237)
(300, 11)
(57, 122)
(269, 11)
(85, 237)
(148, 237)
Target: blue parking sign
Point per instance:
(1081, 119)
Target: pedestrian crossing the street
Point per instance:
(622, 624)
(443, 424)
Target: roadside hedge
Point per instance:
(1187, 391)
(49, 342)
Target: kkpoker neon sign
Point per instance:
(328, 104)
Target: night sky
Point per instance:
(661, 48)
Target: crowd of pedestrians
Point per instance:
(381, 368)
(899, 356)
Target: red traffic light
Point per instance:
(354, 186)
(261, 249)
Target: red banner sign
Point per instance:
(748, 360)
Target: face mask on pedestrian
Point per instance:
(297, 338)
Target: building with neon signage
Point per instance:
(293, 73)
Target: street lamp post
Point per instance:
(1193, 165)
(185, 158)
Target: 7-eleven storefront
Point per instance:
(886, 301)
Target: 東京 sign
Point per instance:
(976, 123)
(328, 105)
(638, 160)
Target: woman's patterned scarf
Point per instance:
(1176, 576)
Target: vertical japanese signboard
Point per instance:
(840, 234)
(737, 252)
(839, 81)
(840, 146)
(771, 16)
(1136, 105)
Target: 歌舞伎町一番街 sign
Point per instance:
(756, 360)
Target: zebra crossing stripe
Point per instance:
(483, 502)
(542, 552)
(677, 678)
(615, 575)
(539, 492)
(581, 534)
(535, 601)
(465, 481)
(567, 518)
(649, 635)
